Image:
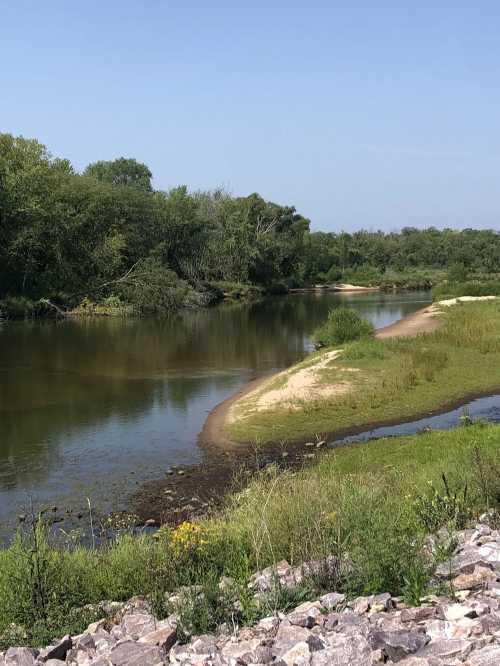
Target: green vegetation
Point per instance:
(343, 325)
(107, 233)
(388, 379)
(452, 289)
(370, 505)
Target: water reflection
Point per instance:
(93, 407)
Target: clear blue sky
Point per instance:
(362, 114)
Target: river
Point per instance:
(94, 408)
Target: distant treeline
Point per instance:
(107, 234)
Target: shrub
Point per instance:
(343, 325)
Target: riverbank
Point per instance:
(325, 627)
(214, 430)
(399, 375)
(367, 511)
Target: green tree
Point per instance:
(122, 171)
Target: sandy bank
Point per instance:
(304, 382)
(333, 287)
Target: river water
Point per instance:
(94, 408)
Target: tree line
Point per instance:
(107, 233)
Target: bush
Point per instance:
(343, 325)
(152, 288)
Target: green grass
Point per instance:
(396, 379)
(371, 505)
(452, 289)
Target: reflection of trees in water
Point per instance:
(57, 379)
(32, 440)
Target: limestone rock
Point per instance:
(487, 656)
(131, 653)
(398, 644)
(20, 656)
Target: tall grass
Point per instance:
(369, 505)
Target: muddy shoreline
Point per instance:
(228, 466)
(201, 489)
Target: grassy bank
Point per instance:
(371, 505)
(380, 380)
(457, 288)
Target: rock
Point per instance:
(331, 621)
(332, 600)
(265, 580)
(54, 662)
(268, 624)
(96, 626)
(398, 644)
(130, 653)
(20, 656)
(463, 562)
(491, 553)
(417, 614)
(490, 622)
(487, 656)
(163, 636)
(316, 643)
(422, 661)
(381, 602)
(478, 578)
(241, 650)
(287, 636)
(135, 625)
(295, 654)
(346, 651)
(446, 648)
(457, 611)
(306, 615)
(57, 651)
(361, 605)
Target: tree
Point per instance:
(122, 171)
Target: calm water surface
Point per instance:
(94, 408)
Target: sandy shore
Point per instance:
(337, 288)
(422, 321)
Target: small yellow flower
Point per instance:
(188, 538)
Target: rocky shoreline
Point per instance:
(458, 625)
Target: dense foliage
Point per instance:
(343, 325)
(107, 232)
